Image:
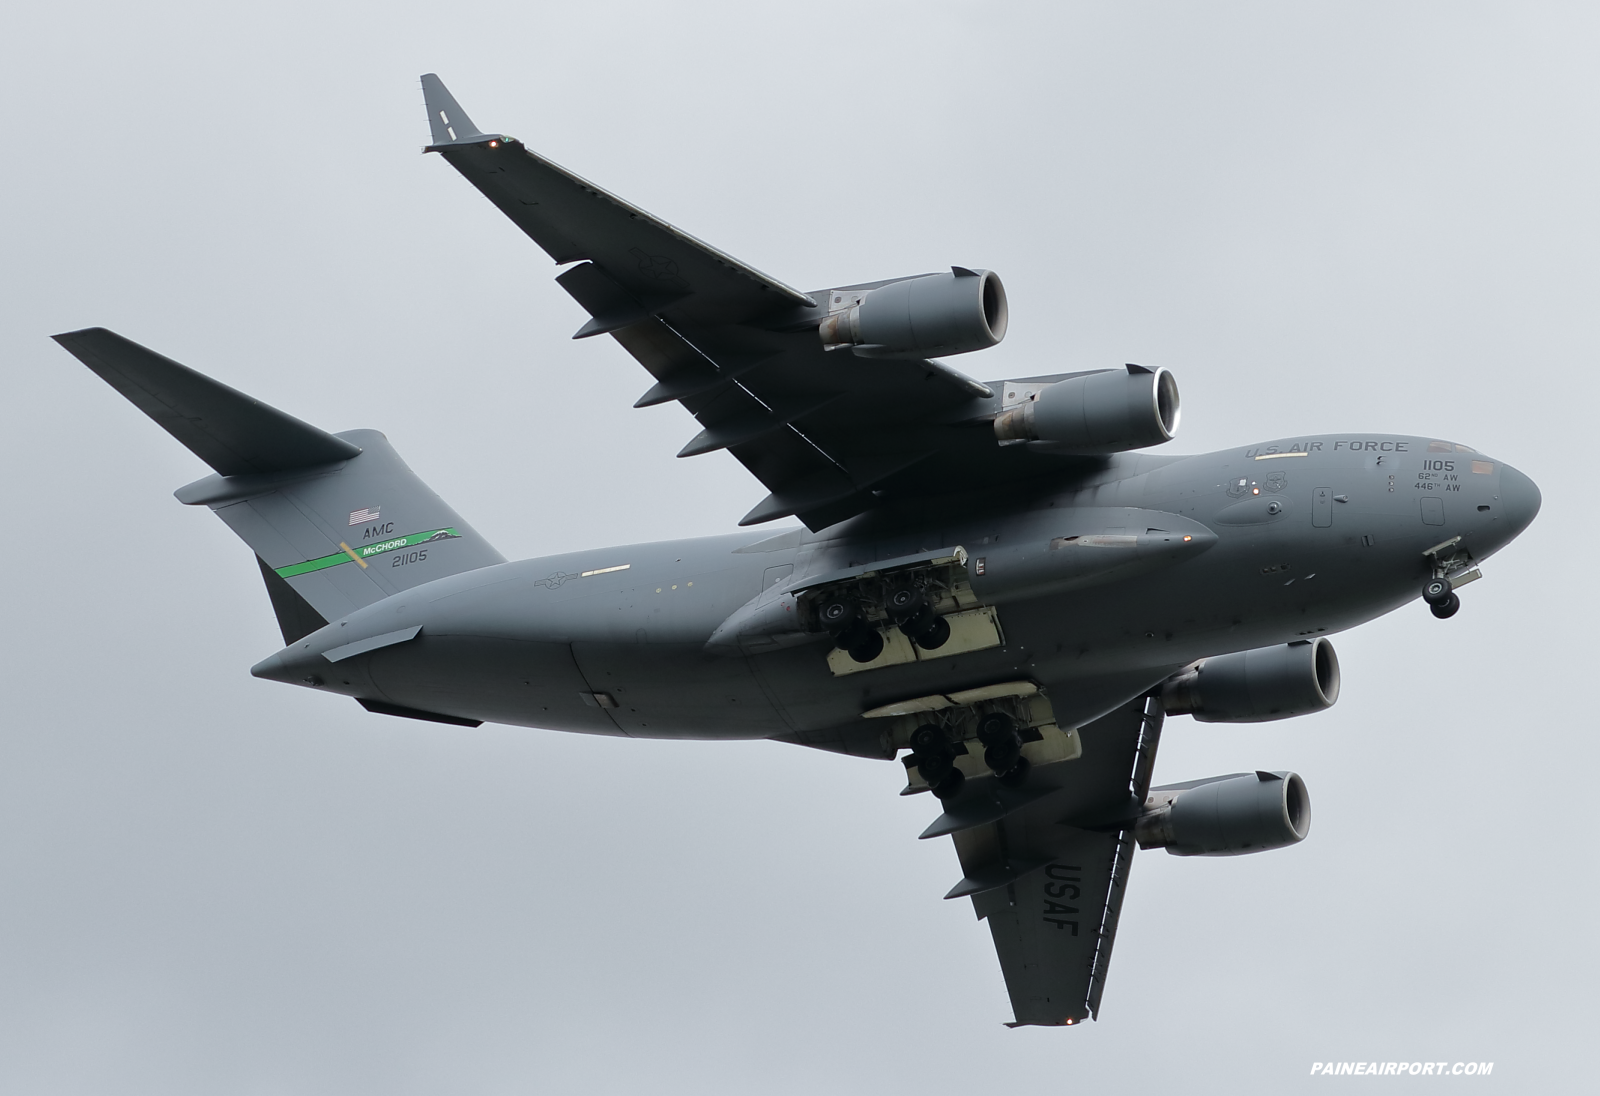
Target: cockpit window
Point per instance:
(1483, 467)
(1464, 448)
(1440, 447)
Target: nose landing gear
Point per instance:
(1441, 598)
(1453, 567)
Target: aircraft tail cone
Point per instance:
(275, 668)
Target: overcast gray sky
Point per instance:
(1322, 217)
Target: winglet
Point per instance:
(448, 122)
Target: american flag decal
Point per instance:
(366, 513)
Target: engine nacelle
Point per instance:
(952, 313)
(1110, 411)
(1226, 815)
(1257, 686)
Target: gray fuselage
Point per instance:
(1290, 539)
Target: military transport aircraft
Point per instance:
(989, 580)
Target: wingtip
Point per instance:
(64, 335)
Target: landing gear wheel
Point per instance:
(998, 732)
(928, 738)
(936, 760)
(1015, 775)
(934, 636)
(865, 646)
(950, 785)
(936, 768)
(838, 615)
(995, 725)
(1446, 610)
(1003, 756)
(1438, 592)
(906, 603)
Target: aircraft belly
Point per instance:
(663, 690)
(496, 680)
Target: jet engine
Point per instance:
(1226, 815)
(1257, 686)
(952, 313)
(1108, 411)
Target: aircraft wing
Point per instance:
(827, 432)
(1050, 877)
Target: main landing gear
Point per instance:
(912, 610)
(841, 616)
(935, 757)
(936, 760)
(1002, 752)
(907, 605)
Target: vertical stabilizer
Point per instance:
(337, 521)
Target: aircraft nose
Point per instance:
(1519, 500)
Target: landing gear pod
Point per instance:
(1111, 411)
(1227, 815)
(952, 313)
(1257, 686)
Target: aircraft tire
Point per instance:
(934, 636)
(1448, 609)
(906, 603)
(927, 739)
(866, 647)
(1015, 775)
(839, 615)
(951, 784)
(1004, 755)
(995, 727)
(1437, 591)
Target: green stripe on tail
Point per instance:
(391, 545)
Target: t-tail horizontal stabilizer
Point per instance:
(230, 431)
(337, 520)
